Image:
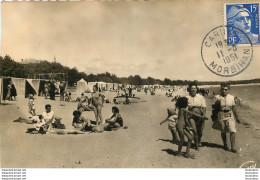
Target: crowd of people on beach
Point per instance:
(185, 119)
(48, 122)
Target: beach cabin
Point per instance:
(81, 87)
(23, 87)
(109, 86)
(90, 85)
(101, 86)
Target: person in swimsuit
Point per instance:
(97, 102)
(115, 121)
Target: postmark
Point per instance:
(244, 17)
(222, 58)
(248, 164)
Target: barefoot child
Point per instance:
(172, 120)
(31, 105)
(183, 126)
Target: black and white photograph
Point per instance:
(128, 84)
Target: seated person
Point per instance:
(115, 121)
(47, 115)
(115, 101)
(85, 105)
(127, 101)
(80, 122)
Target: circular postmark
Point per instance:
(248, 164)
(223, 58)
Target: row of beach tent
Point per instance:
(84, 86)
(23, 86)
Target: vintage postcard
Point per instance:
(130, 84)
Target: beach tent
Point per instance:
(35, 83)
(29, 88)
(41, 87)
(90, 85)
(81, 86)
(19, 84)
(109, 86)
(101, 86)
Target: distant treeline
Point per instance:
(11, 68)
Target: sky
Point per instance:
(160, 39)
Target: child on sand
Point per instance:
(183, 127)
(115, 121)
(31, 105)
(172, 120)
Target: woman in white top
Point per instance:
(197, 104)
(228, 114)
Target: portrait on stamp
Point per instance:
(242, 21)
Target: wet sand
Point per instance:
(145, 144)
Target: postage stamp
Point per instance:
(242, 22)
(222, 59)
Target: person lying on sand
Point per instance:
(81, 123)
(115, 121)
(30, 120)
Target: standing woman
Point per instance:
(228, 114)
(13, 92)
(196, 103)
(97, 102)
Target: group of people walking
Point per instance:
(188, 118)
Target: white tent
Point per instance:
(19, 84)
(81, 86)
(109, 86)
(90, 85)
(101, 85)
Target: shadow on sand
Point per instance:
(171, 141)
(3, 104)
(204, 144)
(170, 151)
(212, 145)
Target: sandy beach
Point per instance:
(144, 144)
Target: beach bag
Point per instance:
(98, 129)
(218, 125)
(222, 122)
